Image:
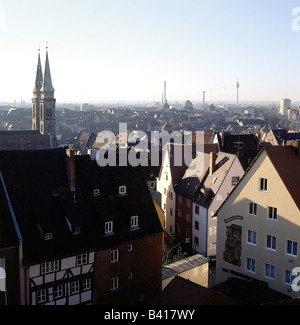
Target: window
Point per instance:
(122, 190)
(49, 267)
(263, 185)
(59, 291)
(188, 217)
(271, 242)
(251, 237)
(75, 287)
(272, 213)
(171, 195)
(179, 199)
(269, 271)
(179, 213)
(235, 180)
(114, 284)
(48, 236)
(41, 296)
(250, 264)
(292, 248)
(196, 241)
(2, 279)
(252, 209)
(152, 185)
(171, 211)
(141, 297)
(134, 222)
(114, 256)
(86, 284)
(130, 248)
(76, 230)
(96, 192)
(188, 203)
(130, 276)
(81, 259)
(108, 227)
(196, 225)
(289, 277)
(179, 227)
(197, 209)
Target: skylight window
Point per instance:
(96, 192)
(122, 190)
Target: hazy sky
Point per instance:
(125, 49)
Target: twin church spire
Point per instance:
(43, 101)
(43, 82)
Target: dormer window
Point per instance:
(108, 228)
(96, 192)
(48, 236)
(122, 190)
(75, 229)
(134, 222)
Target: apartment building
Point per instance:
(169, 176)
(259, 223)
(79, 233)
(199, 195)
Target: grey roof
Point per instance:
(183, 265)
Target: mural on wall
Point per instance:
(233, 245)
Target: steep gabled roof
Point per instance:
(42, 201)
(287, 165)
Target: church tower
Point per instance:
(47, 103)
(43, 102)
(37, 96)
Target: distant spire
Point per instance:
(47, 82)
(237, 91)
(39, 75)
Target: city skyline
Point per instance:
(124, 50)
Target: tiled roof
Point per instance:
(40, 194)
(287, 165)
(184, 292)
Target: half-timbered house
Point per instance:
(73, 219)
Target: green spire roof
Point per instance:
(39, 76)
(47, 82)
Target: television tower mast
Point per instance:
(237, 91)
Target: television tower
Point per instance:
(237, 91)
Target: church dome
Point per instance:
(188, 105)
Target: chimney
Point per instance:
(212, 163)
(71, 168)
(206, 193)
